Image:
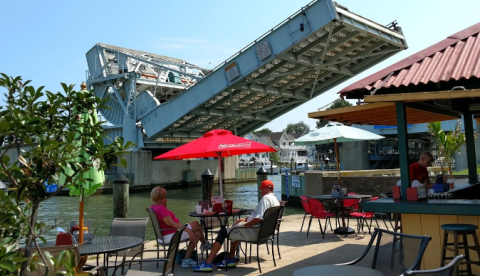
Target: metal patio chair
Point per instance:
(266, 233)
(377, 255)
(135, 227)
(169, 260)
(159, 236)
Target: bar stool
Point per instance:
(460, 230)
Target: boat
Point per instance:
(300, 167)
(267, 166)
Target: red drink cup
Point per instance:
(229, 205)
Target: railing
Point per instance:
(259, 38)
(293, 147)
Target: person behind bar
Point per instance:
(419, 172)
(267, 201)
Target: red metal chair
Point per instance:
(317, 210)
(362, 218)
(306, 208)
(350, 205)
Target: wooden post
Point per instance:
(207, 185)
(261, 175)
(120, 196)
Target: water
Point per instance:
(99, 208)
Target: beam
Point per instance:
(423, 96)
(434, 109)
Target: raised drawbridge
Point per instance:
(159, 101)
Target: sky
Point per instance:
(46, 41)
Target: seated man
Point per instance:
(267, 201)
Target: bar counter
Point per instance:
(466, 207)
(425, 218)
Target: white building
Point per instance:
(284, 142)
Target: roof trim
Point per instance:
(407, 62)
(423, 96)
(380, 113)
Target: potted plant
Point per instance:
(446, 143)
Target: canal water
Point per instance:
(99, 208)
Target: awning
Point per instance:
(421, 107)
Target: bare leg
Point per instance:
(215, 248)
(233, 248)
(198, 230)
(192, 244)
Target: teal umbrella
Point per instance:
(94, 178)
(336, 132)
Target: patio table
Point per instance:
(108, 244)
(342, 230)
(336, 270)
(222, 218)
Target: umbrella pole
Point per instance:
(80, 219)
(336, 159)
(344, 228)
(220, 175)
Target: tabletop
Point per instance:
(336, 270)
(240, 212)
(109, 244)
(355, 196)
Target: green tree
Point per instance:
(446, 143)
(300, 128)
(12, 227)
(263, 130)
(275, 157)
(48, 125)
(337, 104)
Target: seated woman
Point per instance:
(167, 220)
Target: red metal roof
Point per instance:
(456, 57)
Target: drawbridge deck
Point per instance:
(155, 99)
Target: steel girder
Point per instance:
(315, 49)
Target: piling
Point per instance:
(207, 185)
(120, 196)
(261, 175)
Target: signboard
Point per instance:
(232, 71)
(296, 181)
(50, 188)
(263, 50)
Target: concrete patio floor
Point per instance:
(296, 248)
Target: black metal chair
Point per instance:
(277, 230)
(451, 269)
(266, 233)
(169, 261)
(412, 248)
(158, 234)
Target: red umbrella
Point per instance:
(216, 143)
